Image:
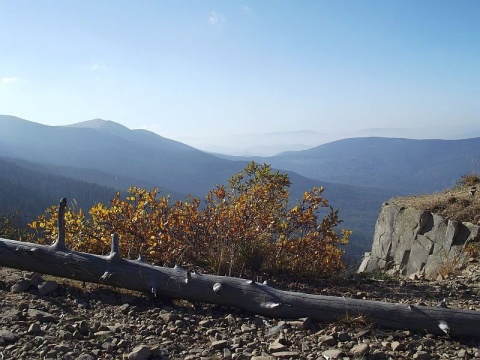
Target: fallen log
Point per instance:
(259, 298)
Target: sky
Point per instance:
(214, 71)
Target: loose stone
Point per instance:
(141, 352)
(361, 349)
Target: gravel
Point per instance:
(72, 321)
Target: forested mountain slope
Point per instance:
(403, 165)
(112, 155)
(30, 190)
(114, 149)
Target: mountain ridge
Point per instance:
(407, 165)
(356, 178)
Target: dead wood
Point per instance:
(258, 298)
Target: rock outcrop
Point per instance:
(409, 241)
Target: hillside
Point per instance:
(116, 150)
(31, 189)
(111, 155)
(403, 165)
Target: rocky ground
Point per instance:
(50, 318)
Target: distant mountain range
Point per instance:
(259, 144)
(273, 143)
(40, 164)
(401, 165)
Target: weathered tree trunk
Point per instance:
(254, 297)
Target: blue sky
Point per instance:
(187, 69)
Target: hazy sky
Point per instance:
(199, 68)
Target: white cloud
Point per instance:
(216, 19)
(8, 80)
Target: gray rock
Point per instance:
(42, 316)
(362, 333)
(219, 344)
(343, 337)
(327, 340)
(414, 241)
(8, 336)
(83, 327)
(227, 354)
(141, 352)
(65, 335)
(85, 356)
(34, 329)
(360, 349)
(398, 346)
(423, 355)
(303, 323)
(117, 328)
(286, 355)
(62, 348)
(205, 323)
(332, 354)
(462, 354)
(168, 317)
(103, 333)
(20, 286)
(23, 306)
(276, 346)
(35, 279)
(47, 287)
(125, 308)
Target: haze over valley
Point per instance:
(273, 143)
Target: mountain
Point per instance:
(264, 144)
(30, 189)
(274, 143)
(402, 165)
(110, 148)
(111, 155)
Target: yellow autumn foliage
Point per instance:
(245, 228)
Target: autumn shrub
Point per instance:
(471, 179)
(451, 264)
(245, 228)
(144, 222)
(11, 228)
(472, 250)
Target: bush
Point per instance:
(246, 228)
(11, 228)
(472, 179)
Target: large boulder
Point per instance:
(409, 241)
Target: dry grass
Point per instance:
(461, 203)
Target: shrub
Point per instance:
(471, 179)
(244, 228)
(11, 228)
(472, 250)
